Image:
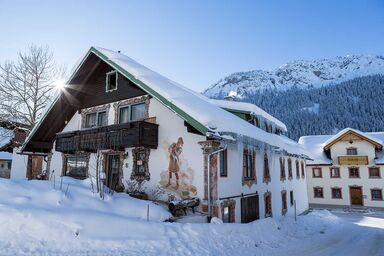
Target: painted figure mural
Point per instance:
(174, 163)
(178, 177)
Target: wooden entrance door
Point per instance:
(356, 195)
(249, 209)
(112, 171)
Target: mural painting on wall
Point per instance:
(178, 177)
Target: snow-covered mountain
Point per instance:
(302, 74)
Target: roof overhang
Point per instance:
(349, 134)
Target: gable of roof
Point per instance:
(192, 107)
(349, 133)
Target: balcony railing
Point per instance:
(353, 160)
(115, 137)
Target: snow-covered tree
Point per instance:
(26, 85)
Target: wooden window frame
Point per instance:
(223, 169)
(268, 204)
(341, 193)
(97, 118)
(64, 164)
(297, 169)
(330, 172)
(107, 80)
(282, 169)
(249, 180)
(290, 175)
(351, 148)
(374, 177)
(284, 202)
(231, 204)
(349, 172)
(381, 193)
(135, 174)
(313, 172)
(266, 170)
(314, 192)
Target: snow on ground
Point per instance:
(36, 219)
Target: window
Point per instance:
(2, 165)
(336, 193)
(354, 172)
(318, 192)
(131, 113)
(374, 172)
(316, 172)
(95, 119)
(284, 206)
(227, 214)
(351, 151)
(302, 169)
(267, 175)
(223, 163)
(291, 200)
(289, 168)
(268, 204)
(297, 169)
(249, 164)
(76, 166)
(377, 194)
(138, 111)
(111, 81)
(140, 169)
(9, 165)
(228, 210)
(282, 168)
(335, 172)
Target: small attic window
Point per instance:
(111, 81)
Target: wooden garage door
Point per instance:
(249, 209)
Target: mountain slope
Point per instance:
(315, 97)
(300, 73)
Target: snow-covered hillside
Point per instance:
(300, 73)
(38, 219)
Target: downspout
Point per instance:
(209, 201)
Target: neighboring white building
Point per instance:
(139, 125)
(347, 169)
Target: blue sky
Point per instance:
(196, 42)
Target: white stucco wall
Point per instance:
(364, 148)
(171, 127)
(232, 184)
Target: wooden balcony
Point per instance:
(115, 137)
(353, 160)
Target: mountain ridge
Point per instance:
(303, 74)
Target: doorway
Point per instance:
(112, 171)
(249, 209)
(356, 195)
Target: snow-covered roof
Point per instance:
(5, 155)
(193, 107)
(249, 108)
(346, 130)
(315, 145)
